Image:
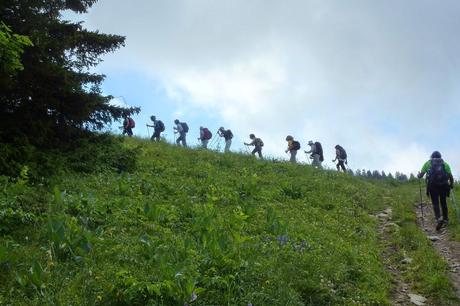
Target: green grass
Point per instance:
(427, 272)
(228, 228)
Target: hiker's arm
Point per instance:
(425, 168)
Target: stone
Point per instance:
(433, 238)
(406, 260)
(417, 299)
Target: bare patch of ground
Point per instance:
(447, 248)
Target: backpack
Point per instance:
(259, 142)
(437, 174)
(319, 150)
(131, 122)
(342, 153)
(207, 134)
(229, 134)
(184, 127)
(295, 145)
(160, 126)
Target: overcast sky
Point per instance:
(381, 78)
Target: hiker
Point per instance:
(228, 135)
(257, 143)
(182, 129)
(128, 125)
(205, 136)
(316, 151)
(341, 157)
(158, 127)
(293, 147)
(439, 183)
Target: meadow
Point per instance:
(144, 223)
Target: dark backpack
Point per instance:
(259, 142)
(437, 174)
(184, 127)
(131, 123)
(342, 152)
(229, 134)
(295, 145)
(160, 126)
(319, 150)
(207, 134)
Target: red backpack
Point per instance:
(131, 123)
(207, 134)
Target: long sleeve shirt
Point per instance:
(179, 127)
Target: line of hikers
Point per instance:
(439, 178)
(181, 128)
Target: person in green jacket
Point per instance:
(439, 183)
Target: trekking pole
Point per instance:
(247, 149)
(213, 141)
(421, 202)
(454, 204)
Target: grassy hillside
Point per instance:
(201, 228)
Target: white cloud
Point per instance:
(380, 78)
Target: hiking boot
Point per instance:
(439, 225)
(445, 223)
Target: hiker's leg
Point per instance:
(435, 201)
(338, 166)
(178, 140)
(184, 140)
(228, 143)
(156, 136)
(260, 153)
(293, 155)
(343, 166)
(315, 162)
(254, 151)
(443, 200)
(130, 132)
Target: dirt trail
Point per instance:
(400, 292)
(448, 249)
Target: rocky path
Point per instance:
(448, 249)
(401, 294)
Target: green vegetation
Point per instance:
(11, 48)
(160, 225)
(427, 272)
(54, 94)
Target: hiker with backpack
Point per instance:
(128, 125)
(439, 183)
(293, 147)
(228, 135)
(341, 157)
(182, 129)
(257, 143)
(158, 127)
(205, 136)
(316, 151)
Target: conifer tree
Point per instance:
(56, 95)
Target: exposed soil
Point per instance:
(400, 291)
(448, 249)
